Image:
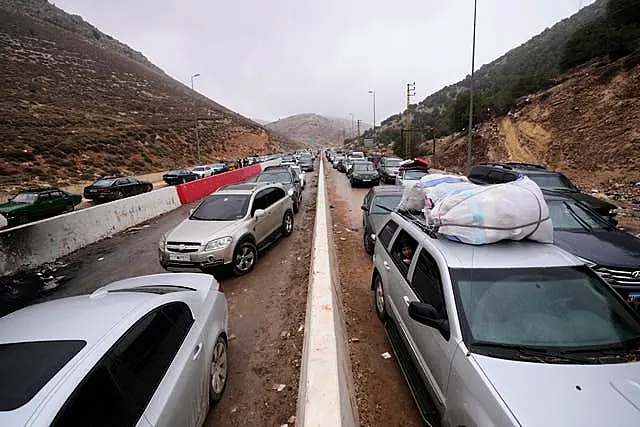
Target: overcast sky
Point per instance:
(268, 59)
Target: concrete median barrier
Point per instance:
(326, 381)
(45, 241)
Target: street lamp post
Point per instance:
(195, 114)
(352, 125)
(373, 92)
(473, 59)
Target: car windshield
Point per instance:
(572, 216)
(414, 174)
(364, 167)
(279, 177)
(222, 207)
(175, 172)
(25, 367)
(25, 198)
(552, 308)
(552, 181)
(104, 182)
(219, 166)
(199, 168)
(392, 163)
(389, 202)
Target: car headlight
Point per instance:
(163, 242)
(290, 191)
(587, 262)
(217, 244)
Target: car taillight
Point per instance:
(220, 288)
(103, 190)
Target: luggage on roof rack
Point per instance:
(480, 214)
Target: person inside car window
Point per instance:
(406, 254)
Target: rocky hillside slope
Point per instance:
(313, 129)
(587, 126)
(78, 104)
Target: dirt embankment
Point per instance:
(587, 126)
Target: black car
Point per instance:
(610, 252)
(116, 188)
(286, 176)
(220, 168)
(363, 173)
(388, 169)
(376, 206)
(496, 173)
(179, 176)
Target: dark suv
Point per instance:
(550, 181)
(288, 178)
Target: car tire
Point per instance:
(296, 206)
(69, 208)
(219, 370)
(183, 180)
(22, 219)
(378, 298)
(287, 224)
(119, 195)
(367, 243)
(244, 258)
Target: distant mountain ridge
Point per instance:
(314, 129)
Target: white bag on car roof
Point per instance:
(482, 214)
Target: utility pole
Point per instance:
(359, 121)
(352, 125)
(373, 92)
(411, 91)
(195, 114)
(473, 60)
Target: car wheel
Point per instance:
(22, 219)
(119, 195)
(219, 370)
(183, 180)
(368, 244)
(244, 258)
(68, 209)
(287, 224)
(378, 298)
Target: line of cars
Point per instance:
(230, 226)
(150, 350)
(473, 327)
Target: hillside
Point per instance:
(78, 104)
(525, 69)
(313, 129)
(586, 126)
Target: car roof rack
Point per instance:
(417, 218)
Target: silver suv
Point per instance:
(507, 334)
(229, 227)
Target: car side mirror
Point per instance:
(427, 315)
(191, 211)
(364, 208)
(259, 213)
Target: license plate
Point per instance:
(179, 257)
(634, 297)
(366, 180)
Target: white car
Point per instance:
(301, 174)
(202, 171)
(3, 222)
(146, 351)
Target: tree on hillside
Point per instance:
(459, 113)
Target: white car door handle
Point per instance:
(386, 265)
(406, 300)
(196, 351)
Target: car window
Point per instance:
(384, 204)
(279, 177)
(277, 194)
(414, 174)
(118, 389)
(25, 198)
(56, 194)
(552, 181)
(25, 367)
(222, 207)
(123, 181)
(426, 282)
(44, 197)
(569, 215)
(387, 233)
(403, 251)
(260, 201)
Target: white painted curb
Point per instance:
(323, 398)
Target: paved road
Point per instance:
(382, 394)
(266, 309)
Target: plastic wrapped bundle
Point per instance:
(481, 214)
(415, 196)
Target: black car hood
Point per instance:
(613, 248)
